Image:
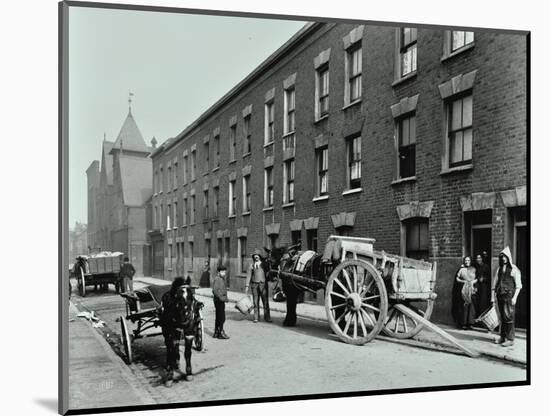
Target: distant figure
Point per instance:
(466, 279)
(483, 284)
(127, 272)
(205, 276)
(257, 282)
(219, 290)
(506, 286)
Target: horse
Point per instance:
(179, 316)
(282, 261)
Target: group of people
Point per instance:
(474, 291)
(256, 283)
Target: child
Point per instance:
(220, 297)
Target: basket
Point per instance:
(489, 318)
(244, 305)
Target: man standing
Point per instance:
(219, 290)
(205, 276)
(127, 272)
(256, 281)
(506, 286)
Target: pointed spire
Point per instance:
(154, 142)
(104, 136)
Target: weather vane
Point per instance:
(130, 95)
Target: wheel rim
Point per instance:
(199, 336)
(356, 301)
(82, 283)
(126, 340)
(399, 325)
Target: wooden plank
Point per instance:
(427, 324)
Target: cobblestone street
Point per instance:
(266, 360)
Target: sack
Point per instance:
(245, 305)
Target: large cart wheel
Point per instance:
(399, 325)
(199, 334)
(356, 301)
(82, 283)
(126, 340)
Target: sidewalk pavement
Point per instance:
(479, 340)
(97, 376)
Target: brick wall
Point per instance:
(499, 147)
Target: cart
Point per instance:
(367, 291)
(97, 270)
(142, 308)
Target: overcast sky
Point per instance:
(177, 65)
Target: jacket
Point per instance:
(515, 273)
(219, 289)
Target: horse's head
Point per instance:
(279, 255)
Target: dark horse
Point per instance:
(179, 316)
(282, 262)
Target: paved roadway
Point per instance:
(263, 360)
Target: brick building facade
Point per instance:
(118, 192)
(414, 137)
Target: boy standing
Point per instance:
(220, 297)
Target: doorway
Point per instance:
(521, 260)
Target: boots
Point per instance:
(223, 335)
(216, 333)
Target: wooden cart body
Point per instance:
(368, 291)
(142, 309)
(98, 270)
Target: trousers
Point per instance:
(507, 315)
(259, 291)
(220, 314)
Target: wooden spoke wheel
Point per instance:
(199, 334)
(356, 301)
(82, 283)
(126, 340)
(399, 325)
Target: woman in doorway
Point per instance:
(463, 307)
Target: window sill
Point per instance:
(245, 213)
(267, 209)
(404, 180)
(246, 154)
(288, 205)
(231, 216)
(269, 144)
(322, 118)
(352, 191)
(352, 104)
(289, 133)
(464, 168)
(320, 198)
(184, 226)
(174, 228)
(404, 78)
(458, 51)
(205, 173)
(217, 168)
(232, 161)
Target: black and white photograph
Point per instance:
(263, 207)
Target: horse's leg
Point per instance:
(188, 352)
(169, 343)
(291, 300)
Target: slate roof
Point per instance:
(136, 175)
(130, 136)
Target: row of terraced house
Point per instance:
(416, 137)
